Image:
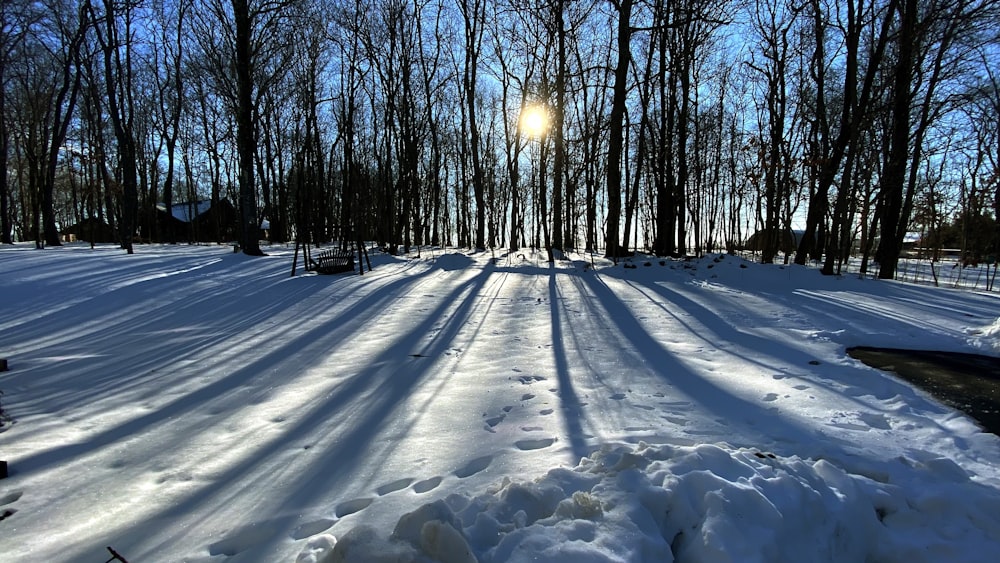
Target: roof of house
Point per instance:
(187, 211)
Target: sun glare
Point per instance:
(534, 121)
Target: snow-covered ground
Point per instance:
(191, 404)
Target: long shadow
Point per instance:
(725, 332)
(773, 426)
(309, 347)
(202, 320)
(198, 327)
(80, 284)
(78, 319)
(785, 353)
(206, 322)
(571, 406)
(825, 306)
(847, 311)
(970, 304)
(367, 399)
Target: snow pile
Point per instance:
(452, 261)
(695, 503)
(985, 337)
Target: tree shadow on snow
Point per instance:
(752, 418)
(367, 401)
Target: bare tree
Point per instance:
(14, 18)
(243, 62)
(616, 139)
(775, 22)
(935, 43)
(47, 84)
(833, 147)
(169, 76)
(473, 16)
(246, 146)
(113, 29)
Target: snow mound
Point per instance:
(985, 337)
(453, 261)
(696, 503)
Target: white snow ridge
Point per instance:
(700, 503)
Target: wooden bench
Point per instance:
(334, 261)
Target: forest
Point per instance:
(825, 128)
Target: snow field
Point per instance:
(189, 404)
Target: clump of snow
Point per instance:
(453, 261)
(985, 337)
(697, 503)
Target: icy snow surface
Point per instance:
(191, 404)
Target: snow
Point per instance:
(187, 212)
(190, 404)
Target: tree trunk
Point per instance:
(558, 142)
(6, 225)
(894, 177)
(245, 146)
(117, 82)
(62, 112)
(616, 139)
(472, 14)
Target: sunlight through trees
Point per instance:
(603, 125)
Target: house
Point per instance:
(788, 240)
(196, 221)
(90, 229)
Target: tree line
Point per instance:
(672, 127)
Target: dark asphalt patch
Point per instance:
(967, 382)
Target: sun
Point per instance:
(534, 120)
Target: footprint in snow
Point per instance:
(527, 397)
(178, 476)
(426, 485)
(618, 396)
(312, 528)
(491, 422)
(850, 426)
(528, 445)
(771, 397)
(529, 379)
(396, 485)
(675, 420)
(474, 466)
(11, 498)
(675, 404)
(875, 420)
(545, 412)
(352, 506)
